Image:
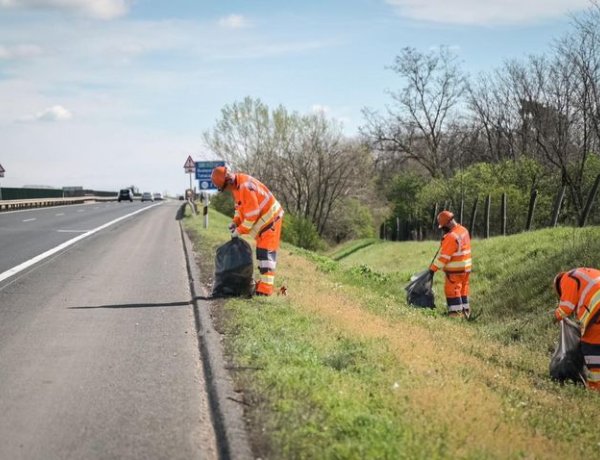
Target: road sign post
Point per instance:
(2, 171)
(205, 209)
(190, 168)
(203, 175)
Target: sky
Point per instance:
(110, 93)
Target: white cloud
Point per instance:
(234, 21)
(318, 108)
(100, 9)
(339, 114)
(22, 51)
(54, 113)
(479, 12)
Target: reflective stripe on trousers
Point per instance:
(267, 262)
(591, 354)
(456, 288)
(267, 244)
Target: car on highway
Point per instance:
(158, 196)
(147, 196)
(125, 194)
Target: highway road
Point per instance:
(99, 356)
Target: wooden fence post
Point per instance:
(486, 219)
(397, 229)
(503, 215)
(473, 217)
(531, 210)
(590, 201)
(557, 205)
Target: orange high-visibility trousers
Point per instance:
(267, 244)
(456, 289)
(590, 347)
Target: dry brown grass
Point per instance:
(450, 389)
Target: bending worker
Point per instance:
(579, 294)
(258, 214)
(455, 260)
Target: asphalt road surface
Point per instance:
(98, 353)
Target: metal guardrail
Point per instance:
(6, 205)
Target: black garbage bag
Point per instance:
(567, 362)
(419, 292)
(234, 269)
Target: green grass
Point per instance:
(350, 247)
(511, 283)
(342, 368)
(322, 394)
(302, 378)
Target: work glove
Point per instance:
(233, 230)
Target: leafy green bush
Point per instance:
(413, 197)
(401, 193)
(349, 220)
(301, 232)
(223, 203)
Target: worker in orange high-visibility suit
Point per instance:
(258, 214)
(579, 294)
(455, 260)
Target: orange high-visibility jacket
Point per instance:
(455, 253)
(579, 293)
(255, 206)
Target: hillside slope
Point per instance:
(343, 368)
(511, 283)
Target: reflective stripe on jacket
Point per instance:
(255, 206)
(455, 253)
(580, 294)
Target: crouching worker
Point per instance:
(455, 260)
(258, 214)
(578, 291)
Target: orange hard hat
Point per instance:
(444, 218)
(556, 283)
(220, 176)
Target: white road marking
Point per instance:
(29, 220)
(41, 209)
(19, 268)
(60, 214)
(81, 210)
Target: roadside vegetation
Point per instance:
(511, 149)
(341, 367)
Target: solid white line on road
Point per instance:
(43, 209)
(29, 220)
(66, 244)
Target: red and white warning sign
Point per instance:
(189, 165)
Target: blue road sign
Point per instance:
(203, 171)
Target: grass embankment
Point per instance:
(342, 368)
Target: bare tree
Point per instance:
(550, 106)
(414, 128)
(320, 169)
(243, 137)
(495, 113)
(305, 160)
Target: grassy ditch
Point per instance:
(342, 368)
